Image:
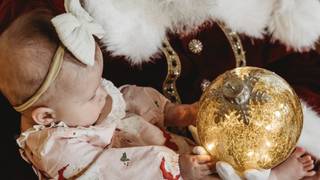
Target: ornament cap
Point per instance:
(236, 91)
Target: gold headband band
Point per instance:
(53, 72)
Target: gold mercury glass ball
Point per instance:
(249, 117)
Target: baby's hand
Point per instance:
(193, 111)
(196, 166)
(181, 115)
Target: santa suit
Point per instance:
(145, 24)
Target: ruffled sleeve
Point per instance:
(118, 109)
(146, 102)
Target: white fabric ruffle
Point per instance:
(118, 110)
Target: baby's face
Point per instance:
(82, 96)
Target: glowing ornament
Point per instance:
(249, 117)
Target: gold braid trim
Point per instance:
(174, 65)
(236, 45)
(174, 69)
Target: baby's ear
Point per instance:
(43, 115)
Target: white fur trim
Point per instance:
(296, 23)
(185, 15)
(133, 28)
(244, 16)
(310, 136)
(136, 28)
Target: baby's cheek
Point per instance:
(85, 116)
(94, 115)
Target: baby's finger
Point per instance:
(308, 163)
(198, 150)
(207, 172)
(203, 158)
(298, 152)
(207, 166)
(308, 167)
(310, 173)
(305, 159)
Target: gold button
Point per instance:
(195, 46)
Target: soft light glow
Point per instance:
(250, 153)
(268, 143)
(210, 146)
(269, 127)
(277, 114)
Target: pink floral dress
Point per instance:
(130, 143)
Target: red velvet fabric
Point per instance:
(301, 70)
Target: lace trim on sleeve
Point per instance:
(118, 103)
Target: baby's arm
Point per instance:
(146, 102)
(150, 162)
(85, 155)
(97, 152)
(157, 109)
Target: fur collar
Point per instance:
(136, 28)
(310, 134)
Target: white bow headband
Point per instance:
(75, 29)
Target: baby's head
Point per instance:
(27, 48)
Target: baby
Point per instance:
(76, 125)
(82, 126)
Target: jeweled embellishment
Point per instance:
(195, 46)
